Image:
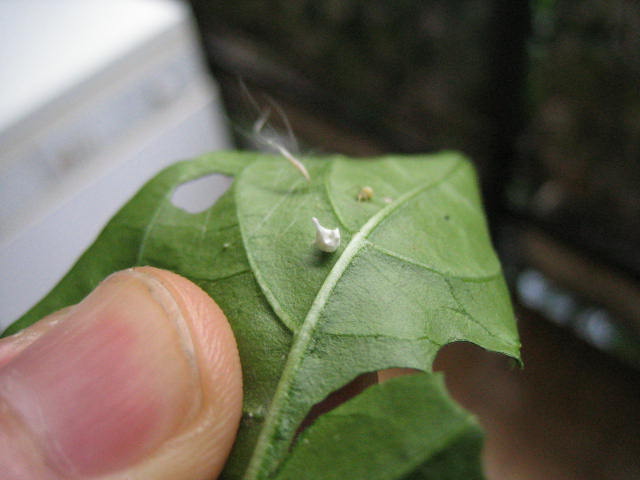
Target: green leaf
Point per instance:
(420, 432)
(206, 248)
(415, 271)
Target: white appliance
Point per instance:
(96, 96)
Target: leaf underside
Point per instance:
(415, 271)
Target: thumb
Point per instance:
(140, 380)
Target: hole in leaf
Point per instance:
(349, 391)
(389, 373)
(475, 377)
(200, 194)
(337, 398)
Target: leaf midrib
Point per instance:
(304, 334)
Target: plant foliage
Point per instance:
(415, 271)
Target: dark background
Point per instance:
(544, 96)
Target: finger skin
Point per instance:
(201, 449)
(194, 445)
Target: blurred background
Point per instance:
(543, 95)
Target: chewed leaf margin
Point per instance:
(417, 428)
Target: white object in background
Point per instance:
(96, 97)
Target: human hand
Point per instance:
(140, 380)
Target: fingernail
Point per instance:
(110, 382)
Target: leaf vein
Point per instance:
(224, 277)
(276, 206)
(398, 256)
(334, 208)
(466, 313)
(379, 336)
(403, 200)
(150, 225)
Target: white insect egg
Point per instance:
(327, 240)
